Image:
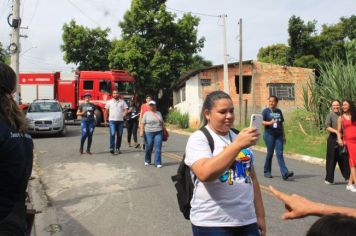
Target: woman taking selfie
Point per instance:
(227, 197)
(16, 155)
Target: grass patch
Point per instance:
(301, 134)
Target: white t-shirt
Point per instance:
(116, 109)
(220, 203)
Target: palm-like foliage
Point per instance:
(337, 80)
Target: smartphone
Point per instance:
(256, 121)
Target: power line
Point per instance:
(34, 12)
(91, 19)
(84, 14)
(194, 13)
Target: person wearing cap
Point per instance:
(152, 128)
(87, 111)
(115, 112)
(144, 109)
(16, 157)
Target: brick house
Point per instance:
(260, 80)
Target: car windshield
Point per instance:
(45, 107)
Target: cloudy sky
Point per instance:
(265, 22)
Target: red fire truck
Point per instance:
(70, 93)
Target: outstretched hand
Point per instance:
(296, 206)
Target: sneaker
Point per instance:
(351, 187)
(89, 152)
(118, 151)
(268, 176)
(159, 166)
(289, 174)
(137, 145)
(327, 182)
(112, 151)
(147, 164)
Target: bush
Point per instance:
(174, 117)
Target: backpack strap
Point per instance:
(208, 137)
(235, 130)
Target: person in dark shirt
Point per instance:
(274, 137)
(16, 157)
(132, 124)
(86, 111)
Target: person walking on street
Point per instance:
(143, 110)
(152, 127)
(332, 148)
(86, 111)
(227, 198)
(115, 111)
(132, 124)
(16, 157)
(274, 137)
(347, 136)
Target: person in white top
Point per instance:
(227, 198)
(115, 111)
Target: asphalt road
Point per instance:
(106, 194)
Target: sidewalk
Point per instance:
(294, 156)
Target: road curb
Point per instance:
(294, 156)
(46, 222)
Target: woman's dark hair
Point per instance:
(9, 110)
(209, 103)
(333, 225)
(352, 110)
(274, 97)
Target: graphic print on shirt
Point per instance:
(240, 170)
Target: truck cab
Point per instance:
(101, 84)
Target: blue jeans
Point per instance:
(153, 141)
(246, 230)
(116, 127)
(274, 142)
(88, 126)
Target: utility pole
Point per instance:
(14, 47)
(240, 74)
(226, 77)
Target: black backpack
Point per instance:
(183, 180)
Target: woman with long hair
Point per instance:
(16, 156)
(347, 136)
(226, 198)
(332, 147)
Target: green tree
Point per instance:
(198, 62)
(350, 47)
(155, 46)
(300, 40)
(87, 48)
(276, 54)
(4, 57)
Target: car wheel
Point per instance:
(63, 131)
(99, 117)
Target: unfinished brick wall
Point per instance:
(262, 74)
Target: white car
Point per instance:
(45, 116)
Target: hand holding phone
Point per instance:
(256, 122)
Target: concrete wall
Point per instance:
(193, 103)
